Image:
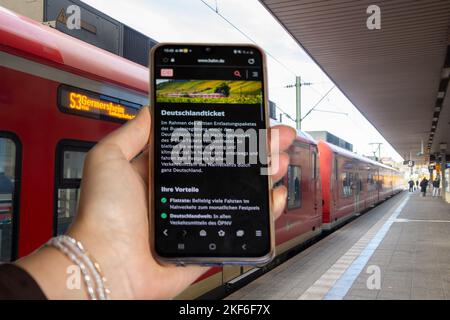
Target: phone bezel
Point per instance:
(202, 260)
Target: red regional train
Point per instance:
(59, 96)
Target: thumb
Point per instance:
(133, 136)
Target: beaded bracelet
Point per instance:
(78, 248)
(90, 269)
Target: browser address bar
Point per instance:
(209, 72)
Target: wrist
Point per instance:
(108, 259)
(55, 274)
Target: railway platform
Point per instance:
(398, 250)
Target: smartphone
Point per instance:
(210, 200)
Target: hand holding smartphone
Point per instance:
(210, 155)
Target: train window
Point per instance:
(371, 184)
(347, 183)
(69, 170)
(9, 162)
(314, 165)
(67, 206)
(73, 164)
(380, 181)
(336, 167)
(294, 187)
(358, 183)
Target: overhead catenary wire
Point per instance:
(286, 114)
(318, 102)
(216, 11)
(330, 111)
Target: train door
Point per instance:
(334, 183)
(371, 187)
(378, 184)
(357, 191)
(314, 181)
(70, 156)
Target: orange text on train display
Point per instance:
(84, 103)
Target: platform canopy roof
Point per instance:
(397, 76)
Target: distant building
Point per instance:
(96, 27)
(331, 138)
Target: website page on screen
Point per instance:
(211, 184)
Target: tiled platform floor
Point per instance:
(406, 239)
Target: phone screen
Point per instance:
(211, 189)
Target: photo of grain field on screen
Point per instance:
(208, 91)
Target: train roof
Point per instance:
(306, 137)
(350, 154)
(29, 39)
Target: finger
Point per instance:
(279, 196)
(285, 136)
(280, 169)
(132, 137)
(141, 165)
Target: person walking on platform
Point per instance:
(411, 185)
(436, 186)
(424, 186)
(417, 184)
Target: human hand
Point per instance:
(113, 214)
